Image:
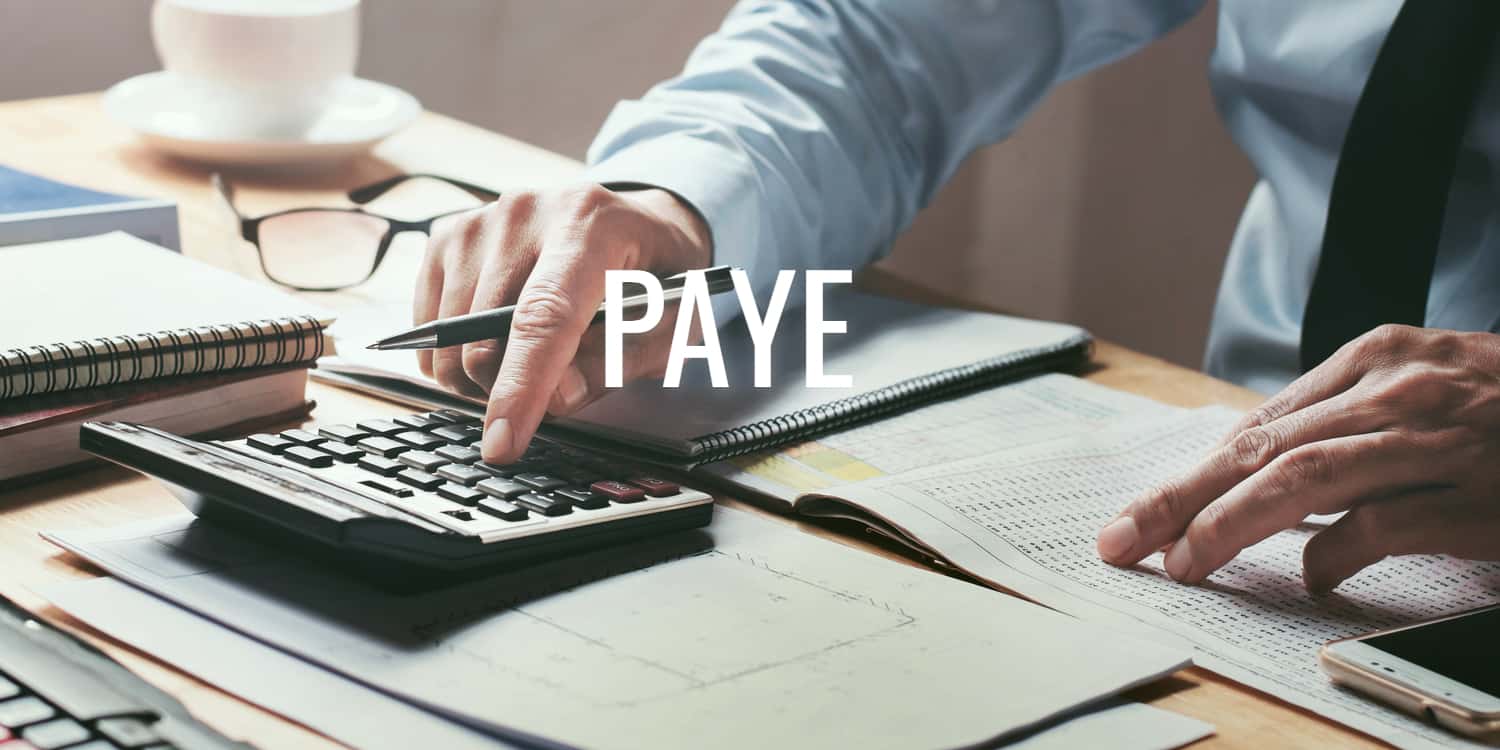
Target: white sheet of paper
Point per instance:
(1026, 520)
(768, 638)
(1031, 411)
(275, 680)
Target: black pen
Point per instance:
(495, 324)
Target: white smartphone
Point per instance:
(1447, 670)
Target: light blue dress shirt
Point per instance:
(810, 133)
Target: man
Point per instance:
(808, 134)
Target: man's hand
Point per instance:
(546, 253)
(1400, 427)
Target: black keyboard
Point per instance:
(411, 490)
(56, 692)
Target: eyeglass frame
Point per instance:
(250, 225)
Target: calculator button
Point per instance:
(586, 499)
(303, 437)
(420, 479)
(343, 433)
(540, 482)
(381, 427)
(422, 460)
(383, 466)
(461, 434)
(460, 494)
(418, 422)
(269, 443)
(388, 487)
(459, 454)
(309, 457)
(126, 732)
(620, 492)
(465, 475)
(418, 439)
(547, 506)
(655, 487)
(503, 510)
(54, 734)
(8, 689)
(22, 711)
(499, 470)
(383, 446)
(342, 453)
(501, 487)
(453, 416)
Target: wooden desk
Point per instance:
(68, 138)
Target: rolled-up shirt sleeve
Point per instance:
(808, 134)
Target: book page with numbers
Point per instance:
(1026, 519)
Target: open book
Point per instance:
(899, 354)
(1011, 485)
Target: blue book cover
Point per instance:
(37, 209)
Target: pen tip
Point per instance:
(375, 346)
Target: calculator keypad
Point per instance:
(429, 465)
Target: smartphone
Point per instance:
(1447, 670)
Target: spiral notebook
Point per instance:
(112, 309)
(900, 355)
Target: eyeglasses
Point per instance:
(328, 249)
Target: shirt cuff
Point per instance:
(714, 180)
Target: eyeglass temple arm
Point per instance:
(367, 193)
(226, 191)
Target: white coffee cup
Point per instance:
(257, 69)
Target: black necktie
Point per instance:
(1385, 212)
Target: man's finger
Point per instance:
(1332, 377)
(1411, 523)
(429, 291)
(1322, 477)
(1160, 516)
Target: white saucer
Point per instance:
(363, 112)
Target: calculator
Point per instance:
(408, 493)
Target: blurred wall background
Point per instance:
(1112, 208)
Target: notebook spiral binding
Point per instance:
(184, 351)
(835, 415)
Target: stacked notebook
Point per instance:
(113, 327)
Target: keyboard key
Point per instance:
(586, 499)
(269, 443)
(460, 434)
(343, 433)
(540, 482)
(347, 454)
(656, 487)
(619, 492)
(388, 487)
(418, 439)
(127, 732)
(381, 427)
(453, 416)
(465, 475)
(8, 689)
(383, 446)
(506, 470)
(459, 454)
(19, 712)
(501, 487)
(303, 437)
(418, 422)
(309, 457)
(460, 494)
(503, 510)
(420, 479)
(422, 460)
(547, 506)
(54, 734)
(383, 466)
